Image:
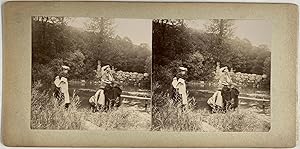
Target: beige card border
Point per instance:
(17, 74)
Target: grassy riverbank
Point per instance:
(47, 113)
(167, 117)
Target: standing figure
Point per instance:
(180, 86)
(218, 71)
(61, 82)
(226, 82)
(224, 77)
(107, 76)
(106, 80)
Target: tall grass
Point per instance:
(47, 113)
(121, 119)
(169, 117)
(239, 121)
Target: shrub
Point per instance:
(168, 117)
(44, 74)
(239, 121)
(47, 113)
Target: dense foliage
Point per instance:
(175, 44)
(54, 43)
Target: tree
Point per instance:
(195, 65)
(101, 26)
(50, 41)
(54, 44)
(220, 31)
(76, 61)
(174, 45)
(267, 67)
(148, 66)
(223, 28)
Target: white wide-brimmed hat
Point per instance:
(107, 82)
(223, 68)
(105, 67)
(183, 69)
(225, 83)
(65, 67)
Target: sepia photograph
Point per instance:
(91, 73)
(211, 75)
(118, 74)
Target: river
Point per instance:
(85, 91)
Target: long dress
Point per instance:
(100, 98)
(174, 82)
(216, 100)
(64, 87)
(182, 90)
(175, 95)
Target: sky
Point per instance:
(138, 30)
(256, 31)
